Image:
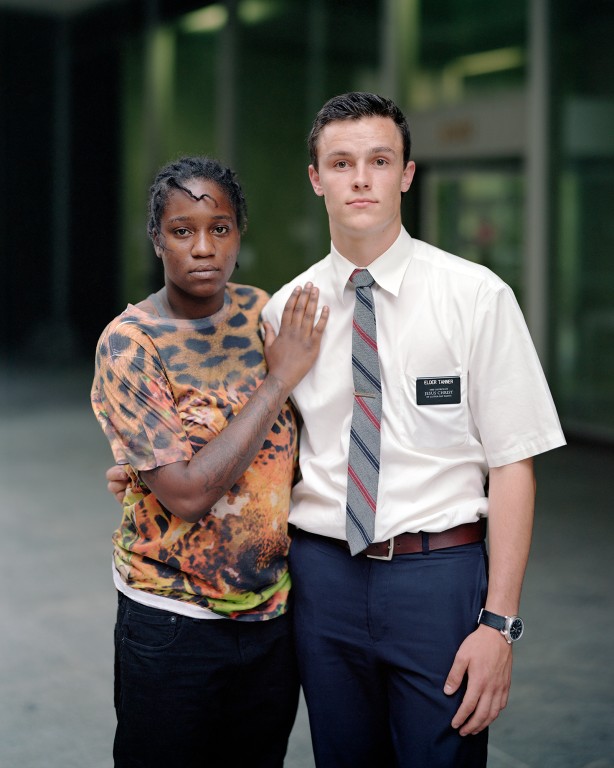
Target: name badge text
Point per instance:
(438, 391)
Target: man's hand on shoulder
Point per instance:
(486, 658)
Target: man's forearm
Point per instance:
(510, 527)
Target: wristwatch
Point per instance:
(511, 627)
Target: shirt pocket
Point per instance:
(439, 422)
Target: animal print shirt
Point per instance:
(163, 389)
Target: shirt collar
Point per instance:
(387, 270)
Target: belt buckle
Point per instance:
(387, 556)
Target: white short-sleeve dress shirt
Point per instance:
(463, 390)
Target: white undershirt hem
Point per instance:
(163, 603)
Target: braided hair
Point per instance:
(176, 174)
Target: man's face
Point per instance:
(361, 176)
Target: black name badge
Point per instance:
(445, 390)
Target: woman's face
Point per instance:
(198, 243)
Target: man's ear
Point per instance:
(314, 178)
(408, 175)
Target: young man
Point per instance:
(398, 664)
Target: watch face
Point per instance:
(516, 629)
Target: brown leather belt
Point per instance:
(411, 543)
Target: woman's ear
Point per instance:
(156, 244)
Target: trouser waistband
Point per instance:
(412, 543)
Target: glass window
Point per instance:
(478, 214)
(582, 301)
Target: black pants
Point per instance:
(202, 693)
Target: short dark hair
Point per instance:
(177, 173)
(353, 106)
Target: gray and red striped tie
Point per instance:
(363, 462)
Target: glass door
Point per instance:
(477, 213)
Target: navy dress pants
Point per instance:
(200, 693)
(375, 642)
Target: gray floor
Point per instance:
(55, 661)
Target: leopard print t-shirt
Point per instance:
(163, 389)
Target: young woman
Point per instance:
(194, 407)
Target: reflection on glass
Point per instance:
(478, 215)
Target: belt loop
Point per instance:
(425, 543)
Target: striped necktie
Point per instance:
(363, 460)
